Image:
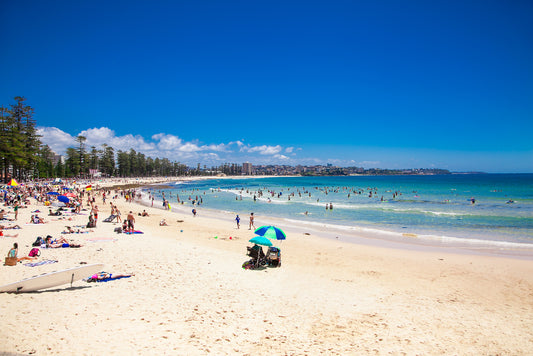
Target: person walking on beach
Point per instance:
(251, 221)
(131, 221)
(238, 220)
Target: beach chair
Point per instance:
(110, 218)
(257, 255)
(273, 257)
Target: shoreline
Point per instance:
(373, 236)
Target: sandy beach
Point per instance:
(190, 295)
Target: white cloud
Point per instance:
(281, 157)
(189, 147)
(103, 134)
(57, 139)
(262, 150)
(217, 148)
(168, 142)
(169, 146)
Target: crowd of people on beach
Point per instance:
(64, 200)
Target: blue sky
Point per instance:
(389, 84)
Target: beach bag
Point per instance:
(38, 242)
(10, 261)
(248, 265)
(34, 252)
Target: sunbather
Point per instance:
(58, 243)
(3, 215)
(4, 227)
(56, 213)
(104, 276)
(6, 235)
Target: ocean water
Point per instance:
(493, 208)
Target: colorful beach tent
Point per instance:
(13, 183)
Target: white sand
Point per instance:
(190, 296)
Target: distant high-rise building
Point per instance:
(247, 168)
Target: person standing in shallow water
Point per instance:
(251, 221)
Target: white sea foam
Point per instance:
(447, 240)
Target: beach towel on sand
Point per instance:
(40, 263)
(133, 232)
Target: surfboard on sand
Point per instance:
(52, 279)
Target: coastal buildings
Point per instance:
(247, 168)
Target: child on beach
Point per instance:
(238, 220)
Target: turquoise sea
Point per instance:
(492, 208)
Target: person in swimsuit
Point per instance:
(251, 221)
(14, 253)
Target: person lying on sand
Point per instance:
(3, 216)
(104, 276)
(78, 231)
(6, 235)
(14, 227)
(14, 253)
(56, 213)
(163, 222)
(58, 243)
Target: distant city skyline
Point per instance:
(371, 84)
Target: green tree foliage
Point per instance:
(72, 162)
(23, 156)
(19, 142)
(82, 156)
(45, 164)
(107, 160)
